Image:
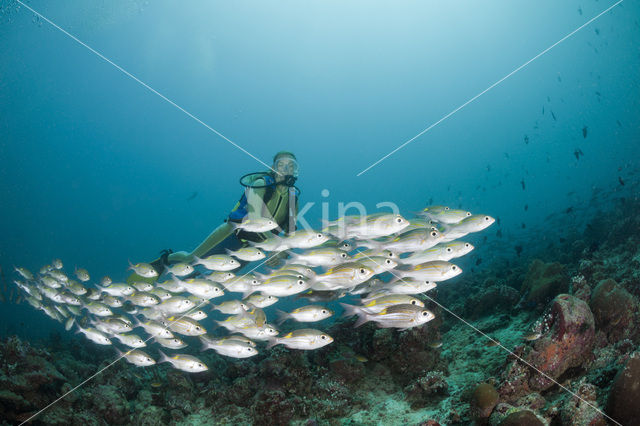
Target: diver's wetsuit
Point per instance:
(276, 200)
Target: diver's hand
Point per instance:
(275, 260)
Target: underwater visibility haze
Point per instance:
(462, 179)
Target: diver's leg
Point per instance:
(214, 239)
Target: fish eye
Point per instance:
(466, 244)
(486, 218)
(413, 302)
(362, 271)
(343, 255)
(323, 337)
(399, 220)
(319, 235)
(446, 208)
(198, 328)
(388, 261)
(324, 311)
(300, 282)
(434, 233)
(454, 268)
(425, 313)
(449, 249)
(468, 213)
(148, 359)
(199, 365)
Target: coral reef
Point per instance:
(543, 281)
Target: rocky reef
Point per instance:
(549, 340)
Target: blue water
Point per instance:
(97, 170)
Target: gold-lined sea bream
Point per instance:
(408, 286)
(303, 239)
(171, 343)
(175, 305)
(24, 272)
(474, 223)
(179, 269)
(417, 239)
(324, 256)
(218, 262)
(436, 270)
(280, 286)
(444, 214)
(395, 316)
(201, 288)
(136, 357)
(257, 224)
(131, 340)
(184, 362)
(155, 329)
(310, 313)
(144, 270)
(442, 251)
(377, 304)
(248, 254)
(82, 274)
(185, 326)
(234, 348)
(260, 300)
(345, 275)
(305, 339)
(231, 307)
(117, 289)
(94, 335)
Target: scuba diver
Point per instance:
(270, 194)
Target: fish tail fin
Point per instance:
(271, 342)
(163, 357)
(350, 310)
(282, 316)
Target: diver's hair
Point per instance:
(282, 154)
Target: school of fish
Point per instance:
(383, 259)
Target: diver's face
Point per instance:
(285, 166)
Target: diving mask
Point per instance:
(287, 166)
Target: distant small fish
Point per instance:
(580, 11)
(506, 155)
(548, 99)
(479, 261)
(360, 358)
(192, 196)
(569, 209)
(156, 384)
(518, 249)
(621, 181)
(491, 343)
(522, 183)
(577, 153)
(435, 345)
(532, 336)
(542, 109)
(526, 207)
(498, 220)
(488, 167)
(526, 138)
(584, 132)
(523, 225)
(563, 240)
(553, 115)
(619, 123)
(499, 233)
(484, 239)
(597, 31)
